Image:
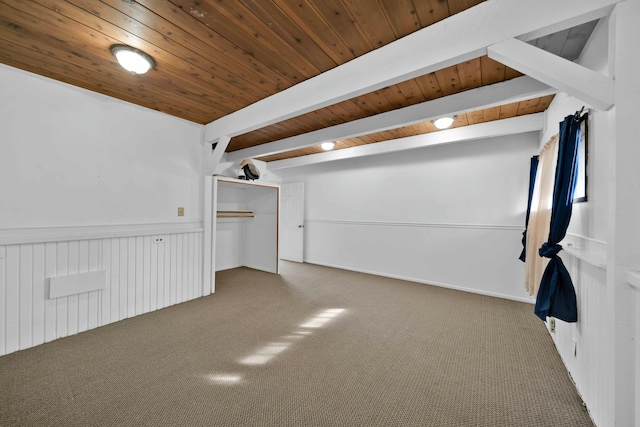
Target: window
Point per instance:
(580, 194)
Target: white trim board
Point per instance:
(63, 234)
(418, 224)
(591, 251)
(586, 256)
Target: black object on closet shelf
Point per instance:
(250, 170)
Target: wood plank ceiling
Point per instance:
(214, 57)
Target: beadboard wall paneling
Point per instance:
(589, 342)
(142, 276)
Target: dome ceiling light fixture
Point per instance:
(131, 59)
(326, 146)
(444, 122)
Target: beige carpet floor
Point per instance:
(313, 346)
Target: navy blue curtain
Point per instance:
(556, 295)
(532, 180)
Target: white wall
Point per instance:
(71, 157)
(87, 182)
(450, 215)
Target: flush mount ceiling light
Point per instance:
(132, 59)
(326, 146)
(443, 122)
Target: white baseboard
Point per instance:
(426, 282)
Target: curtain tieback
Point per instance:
(524, 237)
(549, 251)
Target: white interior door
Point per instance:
(292, 221)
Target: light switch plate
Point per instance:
(180, 211)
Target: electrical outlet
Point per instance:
(158, 239)
(552, 324)
(180, 211)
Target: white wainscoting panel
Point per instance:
(633, 280)
(141, 276)
(588, 342)
(637, 362)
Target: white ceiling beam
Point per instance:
(456, 39)
(213, 154)
(514, 90)
(512, 126)
(566, 76)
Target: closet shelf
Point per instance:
(234, 214)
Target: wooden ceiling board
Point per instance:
(420, 128)
(268, 24)
(401, 15)
(335, 13)
(431, 11)
(99, 18)
(248, 33)
(237, 60)
(411, 91)
(544, 103)
(475, 117)
(372, 20)
(449, 80)
(470, 74)
(305, 16)
(394, 95)
(492, 71)
(510, 73)
(491, 114)
(527, 107)
(457, 6)
(429, 86)
(461, 120)
(508, 110)
(240, 77)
